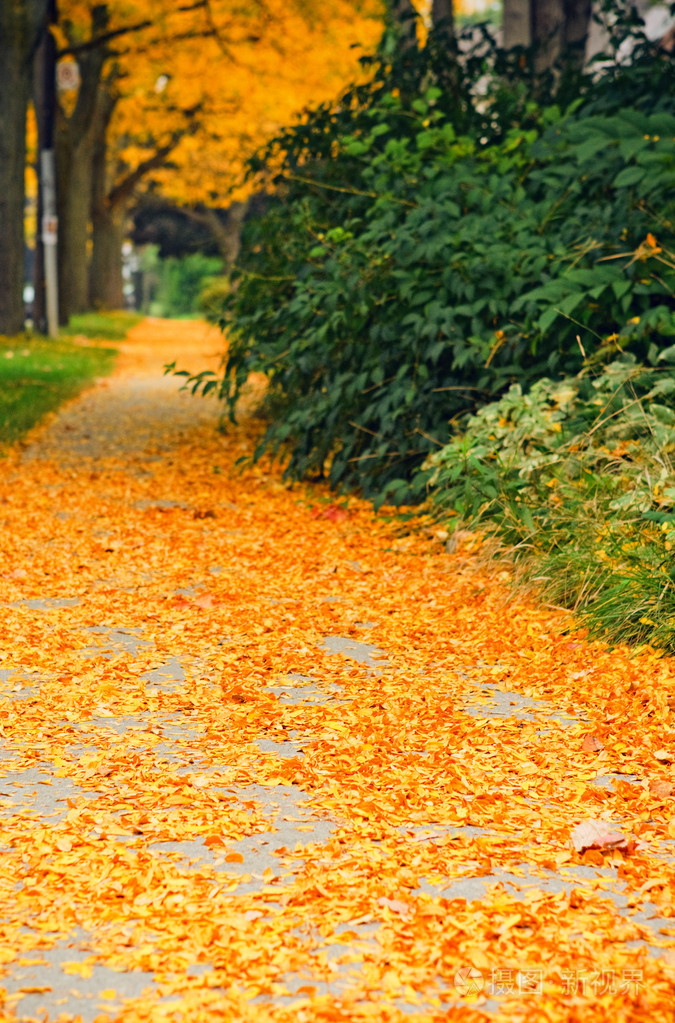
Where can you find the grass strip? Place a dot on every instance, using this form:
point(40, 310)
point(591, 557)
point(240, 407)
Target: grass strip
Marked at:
point(107, 326)
point(37, 375)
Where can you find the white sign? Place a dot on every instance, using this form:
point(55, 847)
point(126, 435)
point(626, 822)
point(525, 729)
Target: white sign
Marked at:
point(67, 75)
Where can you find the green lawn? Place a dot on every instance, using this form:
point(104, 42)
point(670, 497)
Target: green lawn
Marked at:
point(108, 326)
point(37, 375)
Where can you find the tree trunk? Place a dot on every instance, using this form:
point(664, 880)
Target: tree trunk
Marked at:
point(443, 16)
point(403, 16)
point(75, 142)
point(548, 27)
point(108, 218)
point(106, 285)
point(558, 27)
point(20, 27)
point(517, 23)
point(577, 27)
point(74, 174)
point(226, 233)
point(13, 105)
point(110, 203)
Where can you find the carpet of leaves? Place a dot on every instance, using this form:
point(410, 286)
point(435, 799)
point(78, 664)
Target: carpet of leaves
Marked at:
point(239, 578)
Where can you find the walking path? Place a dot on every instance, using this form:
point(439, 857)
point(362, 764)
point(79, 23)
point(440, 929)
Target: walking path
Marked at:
point(266, 756)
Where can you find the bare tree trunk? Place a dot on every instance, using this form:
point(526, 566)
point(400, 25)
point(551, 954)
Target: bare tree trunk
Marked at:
point(20, 27)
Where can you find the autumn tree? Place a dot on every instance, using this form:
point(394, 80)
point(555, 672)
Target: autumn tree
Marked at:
point(22, 23)
point(183, 94)
point(265, 72)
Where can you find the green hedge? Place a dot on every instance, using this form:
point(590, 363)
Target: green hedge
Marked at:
point(430, 246)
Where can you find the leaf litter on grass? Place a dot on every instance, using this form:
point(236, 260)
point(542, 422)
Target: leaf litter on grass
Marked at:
point(239, 578)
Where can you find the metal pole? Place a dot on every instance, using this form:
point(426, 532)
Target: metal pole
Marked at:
point(50, 237)
point(45, 107)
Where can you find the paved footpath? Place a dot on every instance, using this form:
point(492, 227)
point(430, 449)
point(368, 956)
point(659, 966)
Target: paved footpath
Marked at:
point(266, 756)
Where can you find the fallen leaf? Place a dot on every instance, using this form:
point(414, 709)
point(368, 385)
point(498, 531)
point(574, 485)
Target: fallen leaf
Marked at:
point(591, 744)
point(397, 905)
point(597, 835)
point(331, 512)
point(662, 789)
point(213, 841)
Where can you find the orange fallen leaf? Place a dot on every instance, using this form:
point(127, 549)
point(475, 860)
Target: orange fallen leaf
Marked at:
point(591, 744)
point(213, 841)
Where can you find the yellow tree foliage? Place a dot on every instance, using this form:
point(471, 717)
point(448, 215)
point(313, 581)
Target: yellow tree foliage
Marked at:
point(209, 82)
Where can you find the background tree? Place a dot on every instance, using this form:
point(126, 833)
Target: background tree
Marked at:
point(21, 25)
point(75, 147)
point(176, 98)
point(558, 28)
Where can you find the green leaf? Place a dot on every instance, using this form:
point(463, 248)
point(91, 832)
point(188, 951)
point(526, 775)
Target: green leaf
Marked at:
point(629, 176)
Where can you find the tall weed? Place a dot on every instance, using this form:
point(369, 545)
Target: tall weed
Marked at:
point(577, 477)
